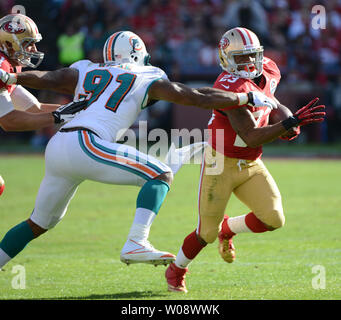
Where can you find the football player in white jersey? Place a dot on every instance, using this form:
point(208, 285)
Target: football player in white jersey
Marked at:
point(116, 91)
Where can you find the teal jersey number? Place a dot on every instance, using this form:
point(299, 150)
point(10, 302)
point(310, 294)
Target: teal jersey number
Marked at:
point(96, 81)
point(126, 81)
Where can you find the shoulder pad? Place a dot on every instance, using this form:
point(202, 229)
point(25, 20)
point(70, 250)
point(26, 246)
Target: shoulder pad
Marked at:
point(270, 66)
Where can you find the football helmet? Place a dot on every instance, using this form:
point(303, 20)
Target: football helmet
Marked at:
point(125, 47)
point(241, 42)
point(17, 33)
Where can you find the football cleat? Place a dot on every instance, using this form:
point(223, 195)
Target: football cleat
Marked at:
point(226, 247)
point(175, 277)
point(143, 252)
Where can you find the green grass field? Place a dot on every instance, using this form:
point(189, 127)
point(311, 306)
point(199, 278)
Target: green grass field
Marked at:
point(79, 258)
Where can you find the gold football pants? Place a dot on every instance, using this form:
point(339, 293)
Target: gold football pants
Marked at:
point(249, 180)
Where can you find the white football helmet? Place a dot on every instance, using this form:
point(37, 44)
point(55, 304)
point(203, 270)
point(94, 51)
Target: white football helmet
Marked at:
point(125, 47)
point(17, 33)
point(238, 42)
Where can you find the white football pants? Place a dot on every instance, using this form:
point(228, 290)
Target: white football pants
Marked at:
point(72, 157)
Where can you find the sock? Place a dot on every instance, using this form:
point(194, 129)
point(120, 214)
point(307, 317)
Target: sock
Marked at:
point(149, 201)
point(245, 223)
point(15, 241)
point(4, 258)
point(189, 250)
point(152, 194)
point(141, 225)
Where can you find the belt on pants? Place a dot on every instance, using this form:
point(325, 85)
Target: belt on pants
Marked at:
point(77, 129)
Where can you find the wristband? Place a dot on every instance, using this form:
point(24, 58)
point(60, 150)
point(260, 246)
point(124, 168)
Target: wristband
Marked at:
point(290, 123)
point(243, 98)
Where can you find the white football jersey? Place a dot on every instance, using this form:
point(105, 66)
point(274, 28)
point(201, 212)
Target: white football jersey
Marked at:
point(116, 95)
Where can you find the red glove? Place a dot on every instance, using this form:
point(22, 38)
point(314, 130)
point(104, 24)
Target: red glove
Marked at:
point(308, 114)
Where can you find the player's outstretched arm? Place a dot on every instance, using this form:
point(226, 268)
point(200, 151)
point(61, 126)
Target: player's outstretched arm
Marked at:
point(24, 121)
point(43, 108)
point(62, 80)
point(207, 98)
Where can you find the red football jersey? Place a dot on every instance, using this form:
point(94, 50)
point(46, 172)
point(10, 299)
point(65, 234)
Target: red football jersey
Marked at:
point(233, 146)
point(6, 66)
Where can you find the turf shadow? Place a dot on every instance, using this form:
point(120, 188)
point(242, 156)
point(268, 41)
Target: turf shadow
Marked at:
point(124, 295)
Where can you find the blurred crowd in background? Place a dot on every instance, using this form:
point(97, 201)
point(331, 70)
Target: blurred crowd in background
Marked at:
point(182, 38)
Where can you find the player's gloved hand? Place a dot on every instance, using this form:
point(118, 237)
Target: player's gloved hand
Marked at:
point(308, 114)
point(258, 100)
point(291, 134)
point(7, 78)
point(67, 112)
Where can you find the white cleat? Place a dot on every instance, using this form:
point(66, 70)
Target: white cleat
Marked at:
point(143, 252)
point(175, 158)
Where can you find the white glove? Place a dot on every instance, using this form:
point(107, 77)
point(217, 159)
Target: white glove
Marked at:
point(258, 100)
point(7, 78)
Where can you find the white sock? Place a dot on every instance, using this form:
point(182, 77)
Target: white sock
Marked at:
point(141, 225)
point(181, 260)
point(144, 216)
point(4, 258)
point(237, 224)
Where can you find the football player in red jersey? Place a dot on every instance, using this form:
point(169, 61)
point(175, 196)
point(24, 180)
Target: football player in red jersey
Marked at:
point(19, 109)
point(232, 161)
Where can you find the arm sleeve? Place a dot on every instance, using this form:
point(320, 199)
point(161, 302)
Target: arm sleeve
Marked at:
point(6, 105)
point(22, 99)
point(81, 66)
point(150, 75)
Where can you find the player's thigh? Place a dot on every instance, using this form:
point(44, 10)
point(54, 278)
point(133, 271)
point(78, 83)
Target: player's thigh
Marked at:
point(214, 193)
point(114, 163)
point(261, 194)
point(54, 196)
